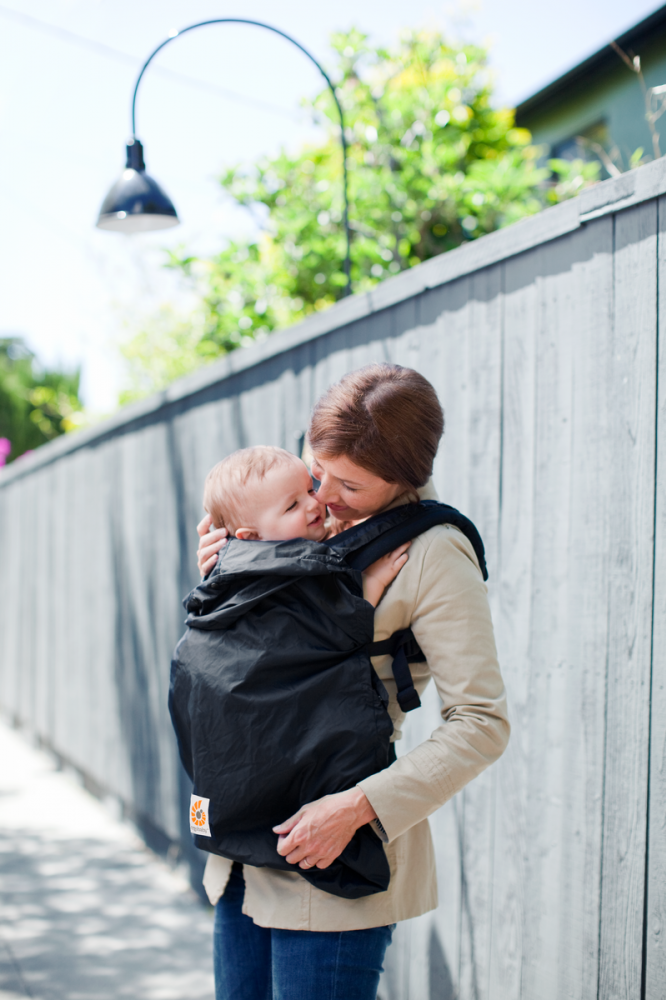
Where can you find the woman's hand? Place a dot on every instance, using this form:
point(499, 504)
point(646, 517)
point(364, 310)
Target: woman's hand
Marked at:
point(210, 543)
point(379, 574)
point(319, 832)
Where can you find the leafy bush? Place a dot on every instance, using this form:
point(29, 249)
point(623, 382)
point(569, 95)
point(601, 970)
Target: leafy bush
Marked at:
point(36, 404)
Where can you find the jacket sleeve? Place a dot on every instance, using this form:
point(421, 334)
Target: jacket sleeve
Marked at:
point(452, 624)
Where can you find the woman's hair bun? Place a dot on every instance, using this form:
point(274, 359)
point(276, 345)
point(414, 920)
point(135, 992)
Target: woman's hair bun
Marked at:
point(384, 418)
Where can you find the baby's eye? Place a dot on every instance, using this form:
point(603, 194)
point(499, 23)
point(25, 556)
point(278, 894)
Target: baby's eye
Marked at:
point(291, 507)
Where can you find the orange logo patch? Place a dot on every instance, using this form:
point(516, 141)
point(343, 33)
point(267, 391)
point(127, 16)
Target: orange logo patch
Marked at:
point(198, 814)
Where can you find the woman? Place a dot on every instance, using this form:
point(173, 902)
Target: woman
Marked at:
point(373, 437)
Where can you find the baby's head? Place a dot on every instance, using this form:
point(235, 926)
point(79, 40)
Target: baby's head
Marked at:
point(264, 493)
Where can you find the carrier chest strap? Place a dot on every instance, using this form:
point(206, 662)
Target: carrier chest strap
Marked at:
point(404, 649)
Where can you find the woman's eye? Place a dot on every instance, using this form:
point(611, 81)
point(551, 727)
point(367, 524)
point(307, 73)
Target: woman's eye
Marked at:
point(352, 489)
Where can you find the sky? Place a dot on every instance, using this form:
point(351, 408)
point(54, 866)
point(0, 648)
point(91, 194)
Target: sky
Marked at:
point(218, 96)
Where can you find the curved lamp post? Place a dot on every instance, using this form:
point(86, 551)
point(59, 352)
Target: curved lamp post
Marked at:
point(136, 203)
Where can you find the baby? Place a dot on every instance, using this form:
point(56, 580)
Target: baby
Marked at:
point(266, 494)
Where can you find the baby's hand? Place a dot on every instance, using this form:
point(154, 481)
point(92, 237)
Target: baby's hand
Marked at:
point(378, 575)
point(211, 541)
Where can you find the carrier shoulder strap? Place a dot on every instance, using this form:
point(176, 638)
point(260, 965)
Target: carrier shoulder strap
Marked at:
point(426, 514)
point(402, 645)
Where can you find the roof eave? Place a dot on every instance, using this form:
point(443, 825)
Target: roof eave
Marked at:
point(598, 60)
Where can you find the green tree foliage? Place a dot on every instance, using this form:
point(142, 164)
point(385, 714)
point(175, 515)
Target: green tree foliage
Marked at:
point(36, 404)
point(432, 164)
point(166, 347)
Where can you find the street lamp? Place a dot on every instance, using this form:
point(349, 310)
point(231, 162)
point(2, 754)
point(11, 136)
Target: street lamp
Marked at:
point(137, 204)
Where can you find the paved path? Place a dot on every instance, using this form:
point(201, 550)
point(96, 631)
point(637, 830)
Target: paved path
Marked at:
point(86, 911)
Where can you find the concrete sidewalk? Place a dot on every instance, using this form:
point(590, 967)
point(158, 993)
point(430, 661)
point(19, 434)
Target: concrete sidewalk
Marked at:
point(87, 912)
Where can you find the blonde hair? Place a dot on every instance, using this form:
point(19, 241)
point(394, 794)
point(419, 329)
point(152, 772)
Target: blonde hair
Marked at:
point(225, 490)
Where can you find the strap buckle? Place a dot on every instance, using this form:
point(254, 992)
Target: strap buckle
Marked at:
point(404, 649)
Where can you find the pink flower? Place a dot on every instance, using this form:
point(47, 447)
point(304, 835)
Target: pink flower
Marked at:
point(5, 449)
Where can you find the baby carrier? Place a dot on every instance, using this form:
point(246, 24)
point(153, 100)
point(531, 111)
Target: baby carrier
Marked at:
point(273, 696)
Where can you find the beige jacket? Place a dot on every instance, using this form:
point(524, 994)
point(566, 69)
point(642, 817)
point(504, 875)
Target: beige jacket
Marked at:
point(441, 594)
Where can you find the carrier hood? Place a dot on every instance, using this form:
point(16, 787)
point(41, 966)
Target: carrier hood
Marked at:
point(247, 571)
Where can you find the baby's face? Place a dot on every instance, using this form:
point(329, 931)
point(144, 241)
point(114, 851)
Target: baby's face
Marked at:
point(283, 505)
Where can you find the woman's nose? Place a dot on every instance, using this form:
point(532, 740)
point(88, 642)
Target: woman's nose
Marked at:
point(325, 491)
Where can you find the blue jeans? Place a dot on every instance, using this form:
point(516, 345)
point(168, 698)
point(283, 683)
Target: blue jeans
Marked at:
point(263, 963)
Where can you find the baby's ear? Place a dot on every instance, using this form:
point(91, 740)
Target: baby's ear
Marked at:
point(247, 534)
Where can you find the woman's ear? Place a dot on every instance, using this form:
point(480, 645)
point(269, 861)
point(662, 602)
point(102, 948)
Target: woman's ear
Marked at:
point(247, 535)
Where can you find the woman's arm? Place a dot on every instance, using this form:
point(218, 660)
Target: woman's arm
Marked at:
point(451, 621)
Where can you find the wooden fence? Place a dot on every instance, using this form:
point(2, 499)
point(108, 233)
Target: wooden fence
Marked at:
point(543, 341)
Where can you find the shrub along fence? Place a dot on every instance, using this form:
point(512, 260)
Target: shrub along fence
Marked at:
point(545, 344)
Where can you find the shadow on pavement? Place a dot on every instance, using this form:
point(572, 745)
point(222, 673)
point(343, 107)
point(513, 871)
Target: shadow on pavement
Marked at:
point(88, 913)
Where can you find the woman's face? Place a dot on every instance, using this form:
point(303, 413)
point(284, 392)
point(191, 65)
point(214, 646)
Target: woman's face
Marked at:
point(350, 492)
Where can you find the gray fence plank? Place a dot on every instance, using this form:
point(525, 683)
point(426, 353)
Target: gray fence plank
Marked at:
point(583, 605)
point(631, 456)
point(565, 712)
point(474, 433)
point(545, 704)
point(14, 557)
point(655, 958)
point(512, 624)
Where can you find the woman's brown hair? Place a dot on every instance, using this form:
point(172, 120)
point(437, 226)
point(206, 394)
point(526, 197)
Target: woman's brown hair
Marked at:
point(384, 418)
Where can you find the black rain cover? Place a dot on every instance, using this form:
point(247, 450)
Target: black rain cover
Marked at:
point(273, 698)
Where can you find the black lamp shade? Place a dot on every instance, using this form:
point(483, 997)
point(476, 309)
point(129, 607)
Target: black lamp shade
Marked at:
point(136, 203)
